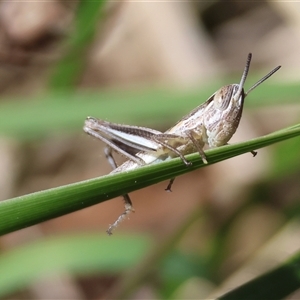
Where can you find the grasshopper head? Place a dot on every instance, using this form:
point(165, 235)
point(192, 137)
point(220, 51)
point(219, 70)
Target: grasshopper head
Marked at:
point(223, 114)
point(235, 92)
point(232, 95)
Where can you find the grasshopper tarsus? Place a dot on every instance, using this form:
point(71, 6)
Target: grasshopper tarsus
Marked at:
point(109, 230)
point(168, 188)
point(188, 163)
point(254, 153)
point(203, 157)
point(128, 209)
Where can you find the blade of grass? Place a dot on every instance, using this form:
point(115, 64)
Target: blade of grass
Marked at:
point(276, 284)
point(24, 211)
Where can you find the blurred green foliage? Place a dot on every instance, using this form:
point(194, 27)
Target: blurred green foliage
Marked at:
point(62, 111)
point(66, 73)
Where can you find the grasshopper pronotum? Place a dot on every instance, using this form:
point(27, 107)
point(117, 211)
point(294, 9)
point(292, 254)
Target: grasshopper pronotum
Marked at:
point(212, 123)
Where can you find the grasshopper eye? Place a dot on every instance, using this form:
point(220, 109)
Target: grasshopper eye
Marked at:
point(223, 97)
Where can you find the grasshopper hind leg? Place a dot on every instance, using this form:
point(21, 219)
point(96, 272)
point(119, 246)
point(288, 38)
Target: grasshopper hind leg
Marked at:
point(128, 204)
point(110, 158)
point(128, 209)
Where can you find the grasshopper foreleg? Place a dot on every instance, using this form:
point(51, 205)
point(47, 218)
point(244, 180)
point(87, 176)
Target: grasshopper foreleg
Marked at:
point(128, 204)
point(162, 140)
point(199, 146)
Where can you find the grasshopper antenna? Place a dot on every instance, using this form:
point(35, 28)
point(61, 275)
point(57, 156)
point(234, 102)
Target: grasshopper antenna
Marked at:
point(262, 80)
point(243, 79)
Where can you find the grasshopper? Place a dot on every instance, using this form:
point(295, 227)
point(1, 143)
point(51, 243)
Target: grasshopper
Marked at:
point(212, 123)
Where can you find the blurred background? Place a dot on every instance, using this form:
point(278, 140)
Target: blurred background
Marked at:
point(147, 64)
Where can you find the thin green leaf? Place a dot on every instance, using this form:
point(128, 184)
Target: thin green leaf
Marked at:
point(276, 284)
point(31, 209)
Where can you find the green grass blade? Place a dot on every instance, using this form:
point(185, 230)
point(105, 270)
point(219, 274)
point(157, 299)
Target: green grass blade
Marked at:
point(275, 285)
point(31, 209)
point(80, 254)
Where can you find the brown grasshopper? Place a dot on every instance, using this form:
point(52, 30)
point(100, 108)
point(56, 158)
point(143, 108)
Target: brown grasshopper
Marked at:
point(212, 123)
